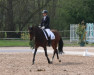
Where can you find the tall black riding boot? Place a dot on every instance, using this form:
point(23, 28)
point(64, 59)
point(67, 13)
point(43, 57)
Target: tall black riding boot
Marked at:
point(49, 41)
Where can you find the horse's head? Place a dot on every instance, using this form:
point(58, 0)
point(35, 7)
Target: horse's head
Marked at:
point(34, 31)
point(31, 32)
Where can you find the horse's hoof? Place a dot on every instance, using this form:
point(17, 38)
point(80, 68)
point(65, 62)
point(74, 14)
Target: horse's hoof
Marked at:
point(59, 60)
point(32, 63)
point(50, 62)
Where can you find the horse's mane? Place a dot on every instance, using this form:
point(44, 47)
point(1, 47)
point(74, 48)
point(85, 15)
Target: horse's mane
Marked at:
point(38, 33)
point(37, 30)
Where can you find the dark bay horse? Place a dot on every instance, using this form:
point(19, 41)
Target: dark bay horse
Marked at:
point(40, 40)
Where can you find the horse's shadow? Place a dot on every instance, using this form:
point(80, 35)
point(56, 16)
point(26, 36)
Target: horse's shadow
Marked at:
point(69, 63)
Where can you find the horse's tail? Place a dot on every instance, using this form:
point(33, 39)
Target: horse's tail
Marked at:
point(60, 46)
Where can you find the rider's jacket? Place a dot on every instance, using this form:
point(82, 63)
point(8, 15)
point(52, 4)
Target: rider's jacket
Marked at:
point(45, 22)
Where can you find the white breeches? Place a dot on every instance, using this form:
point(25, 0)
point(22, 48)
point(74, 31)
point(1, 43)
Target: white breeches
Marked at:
point(50, 34)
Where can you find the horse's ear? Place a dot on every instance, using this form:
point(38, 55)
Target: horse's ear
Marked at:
point(30, 27)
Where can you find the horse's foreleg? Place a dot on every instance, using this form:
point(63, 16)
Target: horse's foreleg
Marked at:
point(34, 56)
point(45, 49)
point(57, 55)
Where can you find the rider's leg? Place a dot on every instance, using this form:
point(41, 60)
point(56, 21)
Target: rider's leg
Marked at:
point(49, 36)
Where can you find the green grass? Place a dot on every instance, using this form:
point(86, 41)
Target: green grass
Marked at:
point(25, 43)
point(71, 45)
point(14, 43)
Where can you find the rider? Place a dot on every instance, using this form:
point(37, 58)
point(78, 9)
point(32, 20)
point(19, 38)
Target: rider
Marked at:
point(45, 25)
point(45, 20)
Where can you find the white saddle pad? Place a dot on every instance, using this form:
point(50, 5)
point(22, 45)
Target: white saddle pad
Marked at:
point(50, 34)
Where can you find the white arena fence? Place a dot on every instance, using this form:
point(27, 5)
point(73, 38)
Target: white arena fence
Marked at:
point(89, 33)
point(73, 36)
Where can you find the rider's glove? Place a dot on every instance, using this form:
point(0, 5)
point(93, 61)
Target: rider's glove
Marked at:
point(43, 27)
point(39, 26)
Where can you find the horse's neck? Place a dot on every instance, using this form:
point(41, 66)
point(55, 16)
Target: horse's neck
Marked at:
point(38, 33)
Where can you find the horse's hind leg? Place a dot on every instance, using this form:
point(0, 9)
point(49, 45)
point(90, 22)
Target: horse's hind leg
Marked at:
point(53, 56)
point(57, 55)
point(54, 47)
point(45, 49)
point(34, 56)
point(55, 51)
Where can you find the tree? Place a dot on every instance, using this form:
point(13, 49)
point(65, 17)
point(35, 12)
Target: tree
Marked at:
point(17, 15)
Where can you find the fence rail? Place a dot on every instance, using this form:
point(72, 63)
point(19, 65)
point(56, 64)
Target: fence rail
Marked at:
point(7, 35)
point(14, 31)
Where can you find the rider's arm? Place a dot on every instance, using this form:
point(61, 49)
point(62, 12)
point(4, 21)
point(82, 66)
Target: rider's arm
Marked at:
point(47, 22)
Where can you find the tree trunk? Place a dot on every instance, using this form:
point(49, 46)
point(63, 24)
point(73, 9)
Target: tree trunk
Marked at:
point(9, 19)
point(39, 11)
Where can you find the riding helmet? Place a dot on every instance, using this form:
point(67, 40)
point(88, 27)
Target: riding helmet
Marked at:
point(44, 11)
